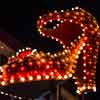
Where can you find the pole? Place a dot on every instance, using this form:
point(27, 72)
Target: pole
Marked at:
point(58, 92)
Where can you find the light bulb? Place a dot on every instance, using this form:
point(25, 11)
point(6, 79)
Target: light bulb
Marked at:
point(3, 83)
point(30, 78)
point(38, 77)
point(22, 79)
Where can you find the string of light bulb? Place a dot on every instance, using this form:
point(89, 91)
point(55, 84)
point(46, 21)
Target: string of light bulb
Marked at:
point(76, 60)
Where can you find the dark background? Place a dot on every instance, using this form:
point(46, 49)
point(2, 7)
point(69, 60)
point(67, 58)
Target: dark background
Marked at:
point(19, 20)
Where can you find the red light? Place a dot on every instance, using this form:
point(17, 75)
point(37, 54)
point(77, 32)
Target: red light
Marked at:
point(44, 73)
point(30, 63)
point(13, 65)
point(38, 62)
point(22, 68)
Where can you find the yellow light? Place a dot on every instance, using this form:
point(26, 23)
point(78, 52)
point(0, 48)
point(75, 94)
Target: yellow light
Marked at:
point(81, 48)
point(59, 77)
point(48, 53)
point(65, 76)
point(89, 87)
point(38, 77)
point(39, 30)
point(2, 92)
point(22, 79)
point(6, 94)
point(70, 75)
point(63, 53)
point(82, 13)
point(20, 98)
point(37, 55)
point(1, 69)
point(30, 78)
point(40, 17)
point(75, 17)
point(66, 51)
point(79, 37)
point(55, 55)
point(43, 60)
point(51, 73)
point(79, 52)
point(84, 44)
point(77, 7)
point(78, 91)
point(3, 83)
point(94, 89)
point(47, 77)
point(41, 26)
point(76, 56)
point(84, 87)
point(12, 81)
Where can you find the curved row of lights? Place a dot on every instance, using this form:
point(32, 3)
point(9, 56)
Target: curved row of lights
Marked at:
point(85, 78)
point(58, 66)
point(85, 46)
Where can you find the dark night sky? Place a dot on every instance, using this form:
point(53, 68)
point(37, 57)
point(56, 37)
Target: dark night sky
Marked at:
point(19, 19)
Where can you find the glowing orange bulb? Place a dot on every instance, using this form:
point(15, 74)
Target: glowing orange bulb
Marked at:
point(12, 81)
point(22, 79)
point(43, 60)
point(51, 73)
point(84, 87)
point(30, 78)
point(59, 77)
point(47, 77)
point(38, 62)
point(50, 14)
point(78, 91)
point(50, 62)
point(70, 75)
point(84, 58)
point(94, 89)
point(13, 65)
point(2, 92)
point(37, 55)
point(38, 77)
point(3, 83)
point(89, 87)
point(65, 76)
